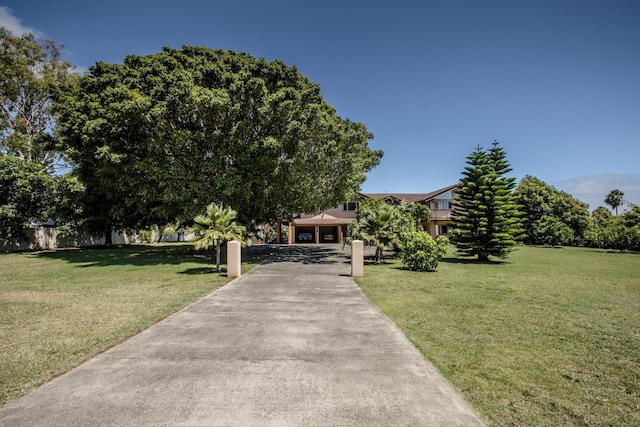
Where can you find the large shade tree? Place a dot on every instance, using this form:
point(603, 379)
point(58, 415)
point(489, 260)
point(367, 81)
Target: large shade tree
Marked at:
point(30, 71)
point(159, 136)
point(538, 199)
point(486, 217)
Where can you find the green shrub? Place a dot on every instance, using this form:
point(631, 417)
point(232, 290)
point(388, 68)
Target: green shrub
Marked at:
point(420, 252)
point(145, 235)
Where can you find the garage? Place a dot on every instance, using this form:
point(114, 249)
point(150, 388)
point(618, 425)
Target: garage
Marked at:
point(328, 234)
point(305, 235)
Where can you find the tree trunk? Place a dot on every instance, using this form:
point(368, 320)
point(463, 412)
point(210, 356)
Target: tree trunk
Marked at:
point(378, 254)
point(218, 258)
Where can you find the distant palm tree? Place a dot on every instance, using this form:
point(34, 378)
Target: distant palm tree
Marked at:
point(614, 199)
point(216, 227)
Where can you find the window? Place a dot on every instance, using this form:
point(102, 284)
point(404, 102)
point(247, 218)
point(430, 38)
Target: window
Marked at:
point(442, 205)
point(351, 206)
point(443, 229)
point(444, 196)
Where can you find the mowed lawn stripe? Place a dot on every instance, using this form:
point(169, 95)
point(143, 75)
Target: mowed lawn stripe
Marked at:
point(59, 308)
point(549, 337)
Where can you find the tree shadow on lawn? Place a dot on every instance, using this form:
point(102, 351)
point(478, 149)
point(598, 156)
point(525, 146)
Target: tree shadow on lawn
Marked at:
point(405, 268)
point(612, 251)
point(371, 260)
point(204, 270)
point(471, 261)
point(136, 255)
point(304, 254)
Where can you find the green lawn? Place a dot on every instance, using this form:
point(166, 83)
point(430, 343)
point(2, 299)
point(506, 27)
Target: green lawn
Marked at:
point(58, 309)
point(550, 337)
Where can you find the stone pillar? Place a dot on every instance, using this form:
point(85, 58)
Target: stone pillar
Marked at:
point(234, 261)
point(357, 258)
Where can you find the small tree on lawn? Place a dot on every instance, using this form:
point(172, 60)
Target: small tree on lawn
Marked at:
point(216, 227)
point(378, 224)
point(615, 235)
point(601, 217)
point(486, 216)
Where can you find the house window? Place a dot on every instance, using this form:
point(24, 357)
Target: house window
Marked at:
point(442, 205)
point(445, 196)
point(443, 229)
point(351, 206)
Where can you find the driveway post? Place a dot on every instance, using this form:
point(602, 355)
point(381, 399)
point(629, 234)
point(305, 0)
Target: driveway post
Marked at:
point(233, 259)
point(357, 258)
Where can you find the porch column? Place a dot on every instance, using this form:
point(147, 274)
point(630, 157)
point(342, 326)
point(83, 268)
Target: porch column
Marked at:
point(317, 228)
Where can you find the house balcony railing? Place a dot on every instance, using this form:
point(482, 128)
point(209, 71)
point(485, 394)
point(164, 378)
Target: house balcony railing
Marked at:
point(441, 214)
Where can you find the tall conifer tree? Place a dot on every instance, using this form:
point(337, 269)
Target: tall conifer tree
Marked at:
point(486, 216)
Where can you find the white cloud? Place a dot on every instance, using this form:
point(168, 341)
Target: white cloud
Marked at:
point(593, 189)
point(14, 24)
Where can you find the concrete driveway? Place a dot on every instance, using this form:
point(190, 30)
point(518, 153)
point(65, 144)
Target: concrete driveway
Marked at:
point(294, 342)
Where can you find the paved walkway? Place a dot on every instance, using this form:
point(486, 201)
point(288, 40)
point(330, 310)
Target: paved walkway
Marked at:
point(292, 343)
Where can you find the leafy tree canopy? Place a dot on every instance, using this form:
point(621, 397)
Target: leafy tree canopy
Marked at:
point(615, 232)
point(631, 218)
point(549, 230)
point(616, 235)
point(30, 71)
point(159, 136)
point(538, 199)
point(26, 194)
point(602, 215)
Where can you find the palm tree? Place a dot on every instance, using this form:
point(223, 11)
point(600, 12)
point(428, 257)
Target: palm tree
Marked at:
point(614, 199)
point(216, 227)
point(379, 225)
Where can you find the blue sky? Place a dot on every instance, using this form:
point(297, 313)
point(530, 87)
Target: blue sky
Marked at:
point(556, 82)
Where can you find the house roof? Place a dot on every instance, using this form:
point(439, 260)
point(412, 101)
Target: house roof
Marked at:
point(324, 219)
point(409, 197)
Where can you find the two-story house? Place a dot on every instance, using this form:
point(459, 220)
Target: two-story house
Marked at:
point(330, 226)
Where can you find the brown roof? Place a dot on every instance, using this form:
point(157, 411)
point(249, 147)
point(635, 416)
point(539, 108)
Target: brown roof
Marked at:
point(323, 221)
point(410, 197)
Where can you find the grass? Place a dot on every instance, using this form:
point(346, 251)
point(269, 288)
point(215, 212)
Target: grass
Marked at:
point(549, 337)
point(59, 308)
